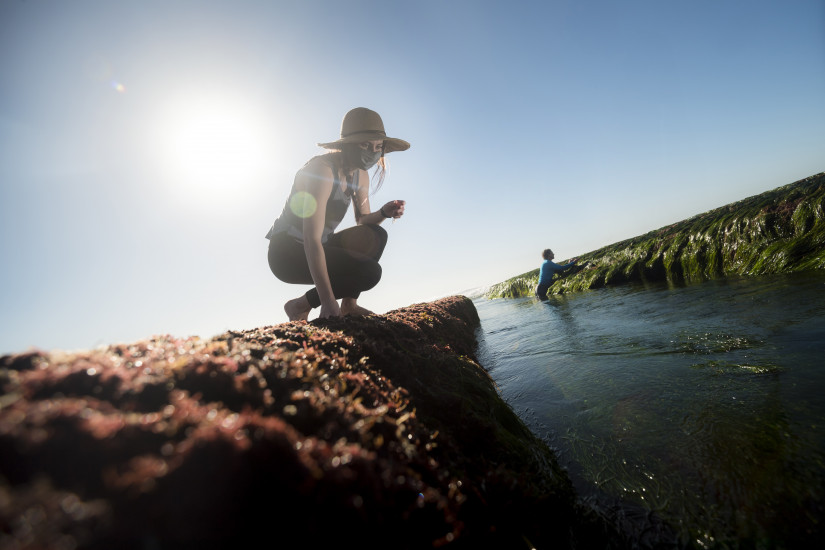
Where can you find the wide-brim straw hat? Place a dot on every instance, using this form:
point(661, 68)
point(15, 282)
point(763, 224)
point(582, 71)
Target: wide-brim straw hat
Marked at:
point(362, 124)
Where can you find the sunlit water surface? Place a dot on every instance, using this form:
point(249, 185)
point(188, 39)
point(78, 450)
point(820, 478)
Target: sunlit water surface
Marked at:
point(698, 406)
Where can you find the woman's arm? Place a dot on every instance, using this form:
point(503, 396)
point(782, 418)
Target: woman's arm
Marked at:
point(318, 182)
point(361, 204)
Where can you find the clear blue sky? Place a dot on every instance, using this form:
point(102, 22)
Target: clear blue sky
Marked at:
point(146, 147)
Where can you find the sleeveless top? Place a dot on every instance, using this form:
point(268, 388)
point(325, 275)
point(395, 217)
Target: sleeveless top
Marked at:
point(291, 220)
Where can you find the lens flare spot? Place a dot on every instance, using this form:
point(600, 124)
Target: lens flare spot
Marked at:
point(118, 86)
point(303, 204)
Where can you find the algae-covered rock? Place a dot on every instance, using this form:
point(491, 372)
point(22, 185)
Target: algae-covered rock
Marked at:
point(779, 231)
point(376, 432)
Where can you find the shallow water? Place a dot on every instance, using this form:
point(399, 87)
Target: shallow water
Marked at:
point(698, 406)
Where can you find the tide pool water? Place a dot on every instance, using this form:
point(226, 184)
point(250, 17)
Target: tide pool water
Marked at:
point(694, 415)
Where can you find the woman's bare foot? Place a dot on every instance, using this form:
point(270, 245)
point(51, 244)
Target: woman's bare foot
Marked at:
point(351, 307)
point(297, 309)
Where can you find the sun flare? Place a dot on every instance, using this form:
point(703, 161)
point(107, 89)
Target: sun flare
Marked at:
point(213, 147)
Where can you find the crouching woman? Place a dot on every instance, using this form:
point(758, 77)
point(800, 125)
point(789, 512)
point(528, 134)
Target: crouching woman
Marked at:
point(304, 247)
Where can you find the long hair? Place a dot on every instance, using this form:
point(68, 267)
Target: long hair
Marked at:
point(383, 168)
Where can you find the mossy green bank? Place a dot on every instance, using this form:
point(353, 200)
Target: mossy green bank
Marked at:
point(779, 231)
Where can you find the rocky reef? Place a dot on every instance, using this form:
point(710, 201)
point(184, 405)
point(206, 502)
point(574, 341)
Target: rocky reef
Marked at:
point(779, 231)
point(375, 432)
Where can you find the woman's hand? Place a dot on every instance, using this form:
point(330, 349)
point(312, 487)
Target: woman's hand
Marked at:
point(393, 209)
point(331, 309)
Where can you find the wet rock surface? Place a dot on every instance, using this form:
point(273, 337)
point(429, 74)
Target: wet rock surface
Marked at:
point(377, 432)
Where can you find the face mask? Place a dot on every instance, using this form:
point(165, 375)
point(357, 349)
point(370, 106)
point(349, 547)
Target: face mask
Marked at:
point(363, 158)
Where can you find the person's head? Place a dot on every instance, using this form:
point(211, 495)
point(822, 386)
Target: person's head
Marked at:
point(547, 254)
point(364, 143)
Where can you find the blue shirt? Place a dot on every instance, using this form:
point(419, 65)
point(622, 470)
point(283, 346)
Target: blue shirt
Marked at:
point(548, 269)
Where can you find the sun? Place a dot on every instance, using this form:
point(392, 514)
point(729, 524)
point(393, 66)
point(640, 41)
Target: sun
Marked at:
point(213, 147)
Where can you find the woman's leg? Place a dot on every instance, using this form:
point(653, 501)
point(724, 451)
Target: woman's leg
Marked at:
point(364, 240)
point(287, 261)
point(352, 263)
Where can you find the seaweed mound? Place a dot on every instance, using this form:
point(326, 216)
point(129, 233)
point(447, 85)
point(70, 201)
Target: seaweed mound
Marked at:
point(779, 231)
point(380, 432)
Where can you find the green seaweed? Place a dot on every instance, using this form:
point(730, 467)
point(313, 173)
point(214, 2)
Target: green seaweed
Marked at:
point(779, 231)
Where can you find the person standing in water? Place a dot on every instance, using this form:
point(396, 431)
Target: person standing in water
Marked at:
point(548, 270)
point(303, 245)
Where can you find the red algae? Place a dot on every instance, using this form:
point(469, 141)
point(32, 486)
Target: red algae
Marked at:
point(380, 431)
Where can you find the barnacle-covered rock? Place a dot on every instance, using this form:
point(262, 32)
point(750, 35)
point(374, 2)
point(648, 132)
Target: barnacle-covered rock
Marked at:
point(379, 431)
